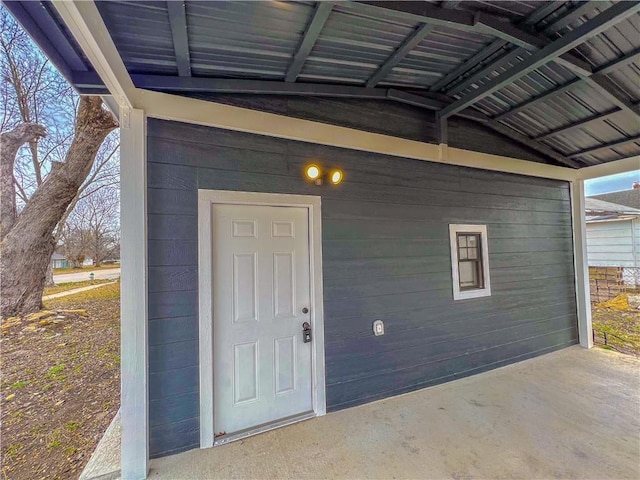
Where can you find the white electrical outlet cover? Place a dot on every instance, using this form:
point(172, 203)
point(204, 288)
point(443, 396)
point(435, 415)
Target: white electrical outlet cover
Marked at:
point(378, 328)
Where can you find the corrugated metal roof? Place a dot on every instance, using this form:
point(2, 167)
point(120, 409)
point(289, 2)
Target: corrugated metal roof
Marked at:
point(259, 40)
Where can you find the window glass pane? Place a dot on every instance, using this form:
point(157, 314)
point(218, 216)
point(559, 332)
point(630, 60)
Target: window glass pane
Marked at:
point(462, 241)
point(472, 241)
point(472, 253)
point(463, 254)
point(468, 274)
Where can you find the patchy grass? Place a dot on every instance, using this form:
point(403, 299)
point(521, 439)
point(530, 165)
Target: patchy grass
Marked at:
point(60, 385)
point(620, 323)
point(60, 271)
point(64, 287)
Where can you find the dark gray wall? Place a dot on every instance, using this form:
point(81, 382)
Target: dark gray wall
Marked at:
point(385, 255)
point(385, 117)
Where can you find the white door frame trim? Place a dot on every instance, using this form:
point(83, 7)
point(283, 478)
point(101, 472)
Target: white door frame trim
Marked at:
point(206, 198)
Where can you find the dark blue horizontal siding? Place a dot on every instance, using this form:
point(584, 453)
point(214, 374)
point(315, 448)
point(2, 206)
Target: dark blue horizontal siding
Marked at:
point(385, 256)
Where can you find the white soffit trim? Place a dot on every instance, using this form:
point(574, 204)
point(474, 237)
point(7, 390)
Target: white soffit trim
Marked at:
point(619, 219)
point(610, 168)
point(200, 112)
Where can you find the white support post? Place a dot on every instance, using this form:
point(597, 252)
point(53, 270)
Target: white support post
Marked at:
point(134, 412)
point(581, 265)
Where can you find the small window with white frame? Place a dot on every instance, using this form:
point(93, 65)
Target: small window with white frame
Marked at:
point(469, 261)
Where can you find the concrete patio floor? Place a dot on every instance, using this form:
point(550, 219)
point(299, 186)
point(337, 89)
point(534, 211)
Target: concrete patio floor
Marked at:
point(574, 413)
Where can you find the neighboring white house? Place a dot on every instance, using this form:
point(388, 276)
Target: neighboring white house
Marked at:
point(58, 260)
point(613, 236)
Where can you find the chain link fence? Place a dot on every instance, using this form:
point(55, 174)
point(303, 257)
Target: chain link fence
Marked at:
point(609, 282)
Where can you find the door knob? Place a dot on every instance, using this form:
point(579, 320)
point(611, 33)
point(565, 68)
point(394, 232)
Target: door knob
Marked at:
point(305, 310)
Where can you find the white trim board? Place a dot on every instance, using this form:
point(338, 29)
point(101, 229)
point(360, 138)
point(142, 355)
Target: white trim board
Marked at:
point(581, 264)
point(206, 198)
point(134, 338)
point(610, 168)
point(200, 112)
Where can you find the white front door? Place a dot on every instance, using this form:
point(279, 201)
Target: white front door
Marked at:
point(261, 298)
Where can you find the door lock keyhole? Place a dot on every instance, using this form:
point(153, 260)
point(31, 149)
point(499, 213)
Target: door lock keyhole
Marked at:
point(305, 310)
point(306, 332)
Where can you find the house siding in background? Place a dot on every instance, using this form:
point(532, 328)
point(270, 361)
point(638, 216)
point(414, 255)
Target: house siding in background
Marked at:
point(385, 256)
point(614, 243)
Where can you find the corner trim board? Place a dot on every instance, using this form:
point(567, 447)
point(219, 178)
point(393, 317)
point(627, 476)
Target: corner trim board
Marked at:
point(206, 198)
point(581, 263)
point(134, 338)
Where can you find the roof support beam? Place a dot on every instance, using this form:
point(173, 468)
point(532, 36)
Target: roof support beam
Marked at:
point(532, 144)
point(599, 117)
point(502, 62)
point(409, 44)
point(602, 22)
point(178, 21)
point(492, 48)
point(606, 146)
point(559, 90)
point(506, 31)
point(471, 63)
point(543, 12)
point(596, 82)
point(25, 17)
point(481, 22)
point(612, 92)
point(320, 16)
point(581, 10)
point(611, 67)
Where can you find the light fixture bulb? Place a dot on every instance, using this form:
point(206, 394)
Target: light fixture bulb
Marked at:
point(313, 172)
point(336, 177)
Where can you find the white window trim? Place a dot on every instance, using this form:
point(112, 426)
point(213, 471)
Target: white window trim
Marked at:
point(455, 274)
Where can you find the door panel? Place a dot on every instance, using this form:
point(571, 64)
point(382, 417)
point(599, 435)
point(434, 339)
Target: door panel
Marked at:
point(262, 368)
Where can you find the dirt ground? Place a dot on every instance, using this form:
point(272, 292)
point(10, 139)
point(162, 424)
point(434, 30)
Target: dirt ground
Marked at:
point(620, 323)
point(60, 384)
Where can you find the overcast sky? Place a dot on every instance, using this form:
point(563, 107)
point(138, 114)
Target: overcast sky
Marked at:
point(612, 183)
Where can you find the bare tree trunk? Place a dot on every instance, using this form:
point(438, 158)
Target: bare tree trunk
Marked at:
point(10, 142)
point(48, 281)
point(26, 249)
